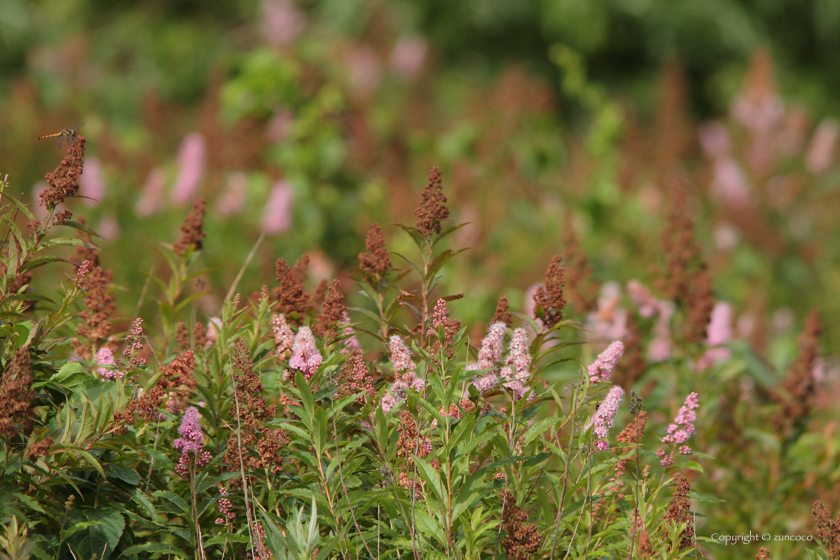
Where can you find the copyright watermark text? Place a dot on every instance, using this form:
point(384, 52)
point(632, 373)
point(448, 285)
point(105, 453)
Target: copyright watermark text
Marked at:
point(745, 538)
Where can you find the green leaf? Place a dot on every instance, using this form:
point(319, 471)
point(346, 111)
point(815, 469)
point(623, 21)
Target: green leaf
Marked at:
point(22, 207)
point(431, 476)
point(693, 465)
point(103, 532)
point(305, 395)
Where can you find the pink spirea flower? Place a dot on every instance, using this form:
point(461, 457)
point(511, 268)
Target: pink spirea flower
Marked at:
point(485, 382)
point(305, 355)
point(820, 152)
point(190, 440)
point(284, 337)
point(278, 209)
point(407, 56)
point(192, 162)
point(518, 362)
point(400, 357)
point(714, 139)
point(644, 300)
point(151, 195)
point(719, 332)
point(490, 354)
point(604, 417)
point(225, 507)
point(233, 196)
point(389, 401)
point(683, 426)
point(350, 342)
point(106, 358)
point(91, 182)
point(214, 325)
point(282, 22)
point(609, 322)
point(602, 367)
point(729, 184)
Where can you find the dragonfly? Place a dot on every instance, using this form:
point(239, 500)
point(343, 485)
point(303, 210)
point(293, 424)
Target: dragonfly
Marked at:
point(69, 134)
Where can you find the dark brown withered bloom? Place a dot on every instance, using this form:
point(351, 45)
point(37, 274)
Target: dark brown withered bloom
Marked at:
point(290, 296)
point(549, 296)
point(182, 337)
point(634, 431)
point(99, 305)
point(678, 512)
point(320, 292)
point(581, 288)
point(63, 182)
point(40, 449)
point(431, 210)
point(200, 335)
point(645, 547)
point(331, 314)
point(828, 530)
point(523, 538)
point(192, 230)
point(377, 259)
point(797, 392)
point(355, 378)
point(251, 411)
point(502, 314)
point(16, 395)
point(62, 217)
point(763, 554)
point(686, 279)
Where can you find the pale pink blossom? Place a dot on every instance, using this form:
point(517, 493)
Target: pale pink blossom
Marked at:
point(604, 417)
point(282, 22)
point(108, 228)
point(602, 367)
point(821, 151)
point(720, 326)
point(305, 355)
point(729, 184)
point(192, 163)
point(485, 382)
point(389, 401)
point(283, 335)
point(233, 197)
point(277, 216)
point(726, 236)
point(191, 440)
point(490, 354)
point(609, 321)
point(364, 70)
point(214, 325)
point(104, 357)
point(518, 362)
point(642, 298)
point(683, 426)
point(151, 195)
point(714, 139)
point(758, 115)
point(660, 349)
point(91, 182)
point(408, 55)
point(350, 341)
point(400, 357)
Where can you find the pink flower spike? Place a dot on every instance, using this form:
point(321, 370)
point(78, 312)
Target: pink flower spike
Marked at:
point(106, 358)
point(490, 354)
point(602, 367)
point(400, 357)
point(604, 417)
point(305, 355)
point(192, 438)
point(192, 162)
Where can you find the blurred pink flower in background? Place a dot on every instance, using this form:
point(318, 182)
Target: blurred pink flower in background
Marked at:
point(661, 346)
point(408, 55)
point(726, 236)
point(644, 300)
point(108, 228)
point(280, 126)
point(729, 184)
point(233, 197)
point(364, 70)
point(91, 182)
point(758, 115)
point(151, 196)
point(609, 322)
point(192, 162)
point(714, 139)
point(39, 211)
point(278, 209)
point(821, 151)
point(282, 22)
point(719, 332)
point(791, 138)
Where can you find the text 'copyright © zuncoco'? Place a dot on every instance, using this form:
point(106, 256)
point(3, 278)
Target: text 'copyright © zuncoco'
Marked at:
point(745, 538)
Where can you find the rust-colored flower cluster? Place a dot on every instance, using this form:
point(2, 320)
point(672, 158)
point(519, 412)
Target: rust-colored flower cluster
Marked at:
point(828, 530)
point(431, 211)
point(797, 394)
point(251, 412)
point(678, 512)
point(502, 314)
point(686, 279)
point(175, 384)
point(763, 554)
point(523, 538)
point(582, 289)
point(549, 296)
point(99, 305)
point(192, 229)
point(440, 317)
point(355, 378)
point(634, 431)
point(376, 260)
point(411, 442)
point(63, 182)
point(40, 449)
point(289, 295)
point(331, 314)
point(16, 395)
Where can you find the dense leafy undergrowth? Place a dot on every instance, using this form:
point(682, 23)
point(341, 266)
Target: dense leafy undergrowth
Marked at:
point(292, 427)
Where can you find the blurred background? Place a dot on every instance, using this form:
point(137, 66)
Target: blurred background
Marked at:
point(550, 120)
